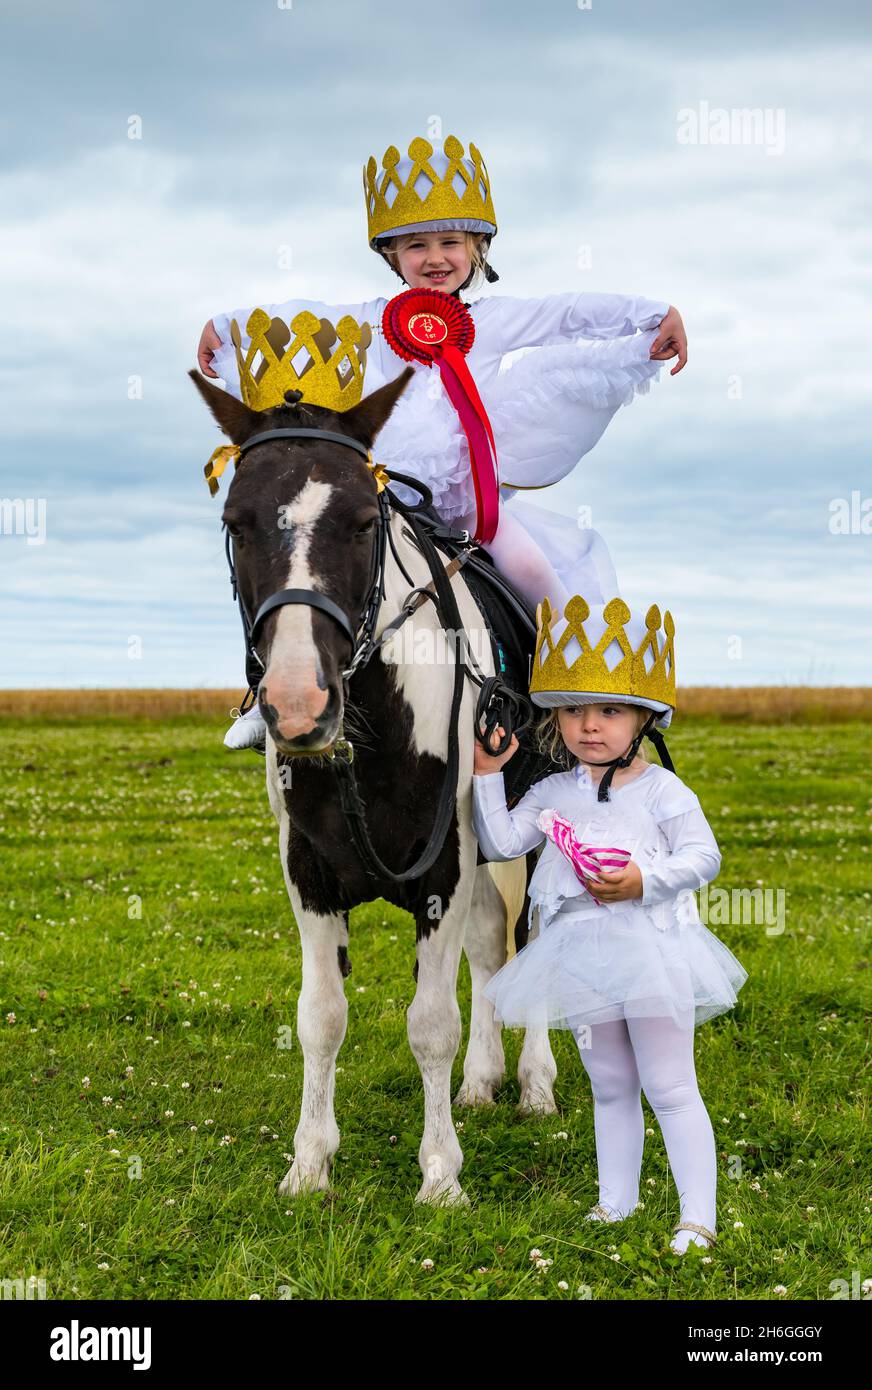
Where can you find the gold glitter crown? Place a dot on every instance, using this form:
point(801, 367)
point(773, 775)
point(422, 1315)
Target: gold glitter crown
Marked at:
point(310, 355)
point(454, 194)
point(615, 665)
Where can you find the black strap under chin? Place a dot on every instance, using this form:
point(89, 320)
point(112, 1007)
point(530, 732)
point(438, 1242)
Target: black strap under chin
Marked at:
point(647, 731)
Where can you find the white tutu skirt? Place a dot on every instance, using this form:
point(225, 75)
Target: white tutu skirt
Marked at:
point(595, 969)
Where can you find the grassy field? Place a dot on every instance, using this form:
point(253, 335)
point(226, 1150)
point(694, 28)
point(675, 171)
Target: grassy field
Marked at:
point(149, 968)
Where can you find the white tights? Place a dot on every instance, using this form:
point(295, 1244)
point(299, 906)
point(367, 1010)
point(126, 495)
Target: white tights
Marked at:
point(521, 560)
point(652, 1055)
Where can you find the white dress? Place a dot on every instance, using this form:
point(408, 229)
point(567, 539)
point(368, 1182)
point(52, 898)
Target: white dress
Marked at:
point(548, 408)
point(594, 963)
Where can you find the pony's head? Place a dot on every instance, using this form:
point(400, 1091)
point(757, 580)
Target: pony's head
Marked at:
point(302, 514)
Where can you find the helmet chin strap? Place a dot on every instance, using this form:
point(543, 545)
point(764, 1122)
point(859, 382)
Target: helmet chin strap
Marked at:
point(613, 764)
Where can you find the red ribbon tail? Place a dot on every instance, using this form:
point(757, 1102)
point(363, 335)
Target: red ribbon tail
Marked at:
point(463, 393)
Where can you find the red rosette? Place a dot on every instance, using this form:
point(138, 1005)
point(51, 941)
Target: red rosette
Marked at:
point(424, 325)
point(417, 323)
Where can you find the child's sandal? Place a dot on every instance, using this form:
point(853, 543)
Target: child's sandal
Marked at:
point(700, 1231)
point(601, 1213)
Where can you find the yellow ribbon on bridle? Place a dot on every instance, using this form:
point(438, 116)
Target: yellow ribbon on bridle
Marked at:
point(218, 462)
point(225, 452)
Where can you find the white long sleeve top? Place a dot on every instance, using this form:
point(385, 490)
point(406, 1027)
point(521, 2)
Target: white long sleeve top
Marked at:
point(655, 817)
point(546, 412)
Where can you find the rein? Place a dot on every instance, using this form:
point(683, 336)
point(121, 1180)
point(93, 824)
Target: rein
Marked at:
point(497, 702)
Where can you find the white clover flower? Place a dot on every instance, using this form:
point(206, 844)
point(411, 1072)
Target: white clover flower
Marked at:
point(738, 1225)
point(427, 1264)
point(103, 1265)
point(780, 1290)
point(535, 1254)
point(543, 1264)
point(562, 1284)
point(169, 1114)
point(86, 1081)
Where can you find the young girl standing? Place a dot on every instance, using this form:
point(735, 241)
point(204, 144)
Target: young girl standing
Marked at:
point(621, 957)
point(431, 218)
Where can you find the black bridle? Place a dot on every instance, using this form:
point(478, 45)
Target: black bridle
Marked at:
point(497, 704)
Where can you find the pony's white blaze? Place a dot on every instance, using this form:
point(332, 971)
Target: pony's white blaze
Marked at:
point(291, 681)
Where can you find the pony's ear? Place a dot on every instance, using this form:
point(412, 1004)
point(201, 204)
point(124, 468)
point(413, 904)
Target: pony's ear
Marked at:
point(365, 420)
point(235, 418)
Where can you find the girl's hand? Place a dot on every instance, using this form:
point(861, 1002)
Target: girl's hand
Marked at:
point(671, 341)
point(617, 885)
point(483, 762)
point(209, 341)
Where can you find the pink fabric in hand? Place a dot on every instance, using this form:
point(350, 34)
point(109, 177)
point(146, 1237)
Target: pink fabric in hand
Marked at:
point(586, 860)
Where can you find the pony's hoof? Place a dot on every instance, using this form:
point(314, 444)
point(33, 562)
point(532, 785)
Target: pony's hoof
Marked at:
point(296, 1181)
point(537, 1103)
point(476, 1094)
point(444, 1194)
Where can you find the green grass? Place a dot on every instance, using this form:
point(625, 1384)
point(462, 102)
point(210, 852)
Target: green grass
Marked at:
point(101, 820)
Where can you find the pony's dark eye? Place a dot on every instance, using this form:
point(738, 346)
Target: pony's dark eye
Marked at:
point(366, 529)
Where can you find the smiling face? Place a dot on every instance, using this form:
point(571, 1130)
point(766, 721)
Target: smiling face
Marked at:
point(438, 259)
point(598, 733)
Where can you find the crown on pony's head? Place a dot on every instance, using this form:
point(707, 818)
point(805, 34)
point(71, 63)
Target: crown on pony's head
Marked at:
point(430, 185)
point(613, 655)
point(325, 363)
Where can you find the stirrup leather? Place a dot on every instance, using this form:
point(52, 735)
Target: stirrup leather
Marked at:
point(700, 1230)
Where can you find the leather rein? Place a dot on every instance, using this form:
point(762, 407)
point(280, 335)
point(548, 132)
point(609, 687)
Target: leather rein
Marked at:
point(497, 703)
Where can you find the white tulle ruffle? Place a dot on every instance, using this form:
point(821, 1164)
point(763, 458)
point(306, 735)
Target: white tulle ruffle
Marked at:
point(596, 969)
point(550, 407)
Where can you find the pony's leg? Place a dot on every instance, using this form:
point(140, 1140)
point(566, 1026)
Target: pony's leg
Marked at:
point(485, 947)
point(322, 1013)
point(434, 1036)
point(537, 1069)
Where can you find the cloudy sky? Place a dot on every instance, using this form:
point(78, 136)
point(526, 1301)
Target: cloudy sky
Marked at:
point(720, 494)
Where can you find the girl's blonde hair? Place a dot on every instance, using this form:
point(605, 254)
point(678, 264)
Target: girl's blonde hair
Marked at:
point(475, 245)
point(549, 739)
